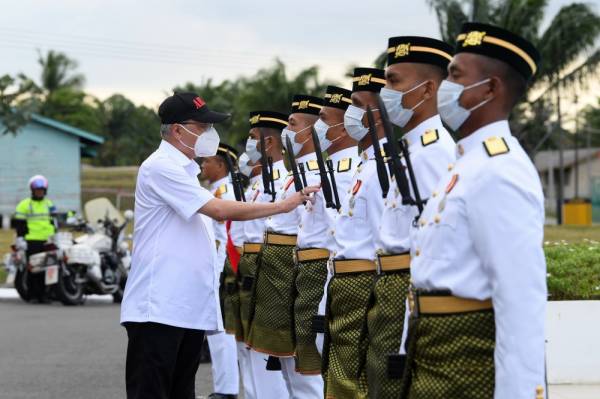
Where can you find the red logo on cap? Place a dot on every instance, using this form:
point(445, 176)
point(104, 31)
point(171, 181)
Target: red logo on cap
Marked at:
point(198, 102)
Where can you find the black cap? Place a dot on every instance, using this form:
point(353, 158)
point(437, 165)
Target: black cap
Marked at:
point(337, 97)
point(500, 44)
point(268, 119)
point(417, 49)
point(368, 79)
point(227, 150)
point(181, 107)
point(305, 104)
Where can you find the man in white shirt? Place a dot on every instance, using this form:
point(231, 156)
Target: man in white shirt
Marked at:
point(171, 296)
point(476, 329)
point(222, 345)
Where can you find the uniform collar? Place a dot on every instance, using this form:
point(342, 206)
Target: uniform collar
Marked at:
point(414, 135)
point(369, 153)
point(498, 129)
point(173, 153)
point(306, 157)
point(349, 152)
point(219, 183)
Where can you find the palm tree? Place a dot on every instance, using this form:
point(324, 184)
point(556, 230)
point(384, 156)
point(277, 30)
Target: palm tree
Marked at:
point(58, 72)
point(570, 56)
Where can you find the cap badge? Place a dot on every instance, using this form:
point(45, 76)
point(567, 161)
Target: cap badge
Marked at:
point(198, 102)
point(336, 98)
point(474, 38)
point(402, 50)
point(364, 80)
point(254, 120)
point(303, 104)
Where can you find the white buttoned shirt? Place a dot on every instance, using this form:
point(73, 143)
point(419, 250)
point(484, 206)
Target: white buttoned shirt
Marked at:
point(254, 229)
point(222, 189)
point(172, 279)
point(358, 222)
point(316, 220)
point(288, 223)
point(432, 151)
point(481, 238)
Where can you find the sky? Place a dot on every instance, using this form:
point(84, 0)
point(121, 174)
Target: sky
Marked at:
point(143, 49)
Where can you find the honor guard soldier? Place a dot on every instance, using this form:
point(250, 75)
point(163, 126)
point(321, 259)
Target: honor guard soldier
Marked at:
point(478, 269)
point(416, 67)
point(263, 147)
point(354, 232)
point(272, 327)
point(315, 243)
point(222, 346)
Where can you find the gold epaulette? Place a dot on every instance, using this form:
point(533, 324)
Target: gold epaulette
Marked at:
point(344, 165)
point(221, 190)
point(429, 137)
point(495, 146)
point(312, 165)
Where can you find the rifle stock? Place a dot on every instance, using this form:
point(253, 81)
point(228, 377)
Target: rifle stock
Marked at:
point(325, 184)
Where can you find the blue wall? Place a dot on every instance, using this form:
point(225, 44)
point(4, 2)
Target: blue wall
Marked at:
point(38, 149)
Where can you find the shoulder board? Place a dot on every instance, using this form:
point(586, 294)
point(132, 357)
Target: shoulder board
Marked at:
point(275, 174)
point(344, 165)
point(495, 146)
point(312, 165)
point(429, 137)
point(221, 190)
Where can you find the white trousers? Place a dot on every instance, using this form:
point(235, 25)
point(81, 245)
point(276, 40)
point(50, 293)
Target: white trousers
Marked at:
point(322, 307)
point(223, 353)
point(246, 371)
point(300, 386)
point(266, 384)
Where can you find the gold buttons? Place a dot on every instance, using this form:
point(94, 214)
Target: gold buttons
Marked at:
point(350, 213)
point(450, 167)
point(393, 205)
point(461, 149)
point(437, 218)
point(539, 392)
point(300, 226)
point(417, 252)
point(332, 232)
point(422, 222)
point(434, 194)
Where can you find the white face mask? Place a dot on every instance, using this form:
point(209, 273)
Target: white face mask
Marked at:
point(321, 128)
point(353, 122)
point(243, 165)
point(207, 143)
point(296, 147)
point(392, 99)
point(252, 150)
point(451, 112)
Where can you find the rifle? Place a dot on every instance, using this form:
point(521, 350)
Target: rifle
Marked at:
point(381, 172)
point(292, 160)
point(267, 169)
point(325, 184)
point(236, 182)
point(397, 166)
point(333, 184)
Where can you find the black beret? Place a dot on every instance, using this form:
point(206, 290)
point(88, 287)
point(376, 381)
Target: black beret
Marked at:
point(225, 150)
point(423, 50)
point(305, 104)
point(500, 44)
point(337, 97)
point(268, 119)
point(368, 79)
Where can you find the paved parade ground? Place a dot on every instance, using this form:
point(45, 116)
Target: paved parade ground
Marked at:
point(57, 352)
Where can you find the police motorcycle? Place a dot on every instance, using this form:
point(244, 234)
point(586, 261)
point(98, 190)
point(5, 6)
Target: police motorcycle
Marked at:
point(98, 261)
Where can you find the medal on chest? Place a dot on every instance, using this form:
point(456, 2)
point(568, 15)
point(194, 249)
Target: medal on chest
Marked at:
point(449, 188)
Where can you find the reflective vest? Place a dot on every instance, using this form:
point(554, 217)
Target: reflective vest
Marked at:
point(39, 221)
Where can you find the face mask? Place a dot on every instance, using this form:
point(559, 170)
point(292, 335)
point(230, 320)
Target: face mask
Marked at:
point(252, 150)
point(243, 164)
point(353, 122)
point(296, 147)
point(393, 104)
point(206, 144)
point(451, 112)
point(321, 128)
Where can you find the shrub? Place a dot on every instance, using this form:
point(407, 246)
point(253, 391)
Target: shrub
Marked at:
point(573, 270)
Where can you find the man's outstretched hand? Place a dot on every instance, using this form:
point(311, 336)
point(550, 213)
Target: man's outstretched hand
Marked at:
point(298, 198)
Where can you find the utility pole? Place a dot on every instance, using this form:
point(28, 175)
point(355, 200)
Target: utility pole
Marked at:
point(561, 164)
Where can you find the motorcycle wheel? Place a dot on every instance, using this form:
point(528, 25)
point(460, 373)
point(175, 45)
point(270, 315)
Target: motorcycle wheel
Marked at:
point(21, 285)
point(69, 292)
point(118, 296)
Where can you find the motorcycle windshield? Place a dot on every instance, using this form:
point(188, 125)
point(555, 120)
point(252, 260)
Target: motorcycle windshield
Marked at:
point(98, 209)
